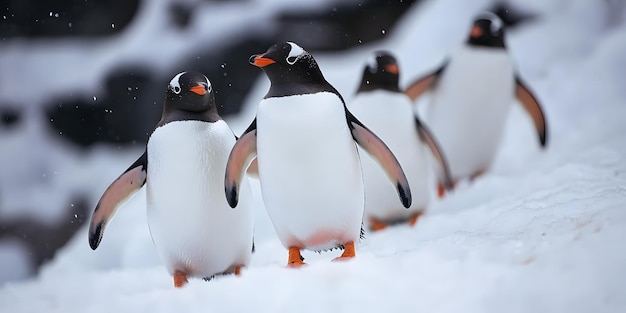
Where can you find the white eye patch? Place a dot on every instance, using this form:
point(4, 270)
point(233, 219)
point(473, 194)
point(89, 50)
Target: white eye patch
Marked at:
point(208, 83)
point(496, 22)
point(372, 65)
point(175, 84)
point(295, 53)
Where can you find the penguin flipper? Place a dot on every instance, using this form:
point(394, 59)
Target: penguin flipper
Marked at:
point(376, 148)
point(253, 168)
point(531, 105)
point(239, 159)
point(115, 195)
point(427, 137)
point(421, 85)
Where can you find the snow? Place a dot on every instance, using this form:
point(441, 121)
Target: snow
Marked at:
point(14, 253)
point(542, 232)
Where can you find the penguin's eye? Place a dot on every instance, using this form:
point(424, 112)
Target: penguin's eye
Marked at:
point(372, 64)
point(495, 27)
point(292, 59)
point(175, 83)
point(175, 89)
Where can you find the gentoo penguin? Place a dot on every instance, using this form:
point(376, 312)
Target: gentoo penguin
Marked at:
point(309, 170)
point(380, 104)
point(192, 226)
point(472, 94)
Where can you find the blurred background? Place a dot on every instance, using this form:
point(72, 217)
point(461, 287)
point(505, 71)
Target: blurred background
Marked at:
point(82, 82)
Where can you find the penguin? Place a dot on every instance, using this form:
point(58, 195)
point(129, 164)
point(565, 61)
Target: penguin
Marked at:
point(471, 97)
point(192, 226)
point(380, 104)
point(303, 138)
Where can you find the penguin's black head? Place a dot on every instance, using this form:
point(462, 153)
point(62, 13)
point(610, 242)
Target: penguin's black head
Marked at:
point(381, 72)
point(189, 91)
point(487, 31)
point(189, 96)
point(290, 69)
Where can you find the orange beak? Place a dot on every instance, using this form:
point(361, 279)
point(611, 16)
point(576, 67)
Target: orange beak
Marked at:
point(476, 32)
point(261, 61)
point(391, 68)
point(198, 89)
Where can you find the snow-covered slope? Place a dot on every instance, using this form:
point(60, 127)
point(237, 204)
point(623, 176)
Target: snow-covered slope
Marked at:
point(544, 231)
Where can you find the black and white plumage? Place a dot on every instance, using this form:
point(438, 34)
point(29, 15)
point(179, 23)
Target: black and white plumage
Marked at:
point(471, 97)
point(388, 112)
point(192, 226)
point(308, 164)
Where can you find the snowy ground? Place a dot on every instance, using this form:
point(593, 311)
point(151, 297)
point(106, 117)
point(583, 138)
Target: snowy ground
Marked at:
point(543, 232)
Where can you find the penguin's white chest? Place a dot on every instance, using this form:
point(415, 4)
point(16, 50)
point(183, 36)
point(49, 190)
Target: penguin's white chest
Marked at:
point(193, 227)
point(470, 106)
point(389, 115)
point(309, 171)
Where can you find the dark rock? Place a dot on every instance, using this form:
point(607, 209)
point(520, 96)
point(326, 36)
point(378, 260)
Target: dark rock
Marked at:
point(180, 14)
point(63, 18)
point(43, 240)
point(343, 26)
point(125, 115)
point(9, 116)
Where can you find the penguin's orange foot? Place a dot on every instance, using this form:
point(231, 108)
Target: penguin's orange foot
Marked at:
point(180, 279)
point(441, 190)
point(348, 252)
point(413, 219)
point(295, 259)
point(377, 225)
point(237, 270)
point(296, 264)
